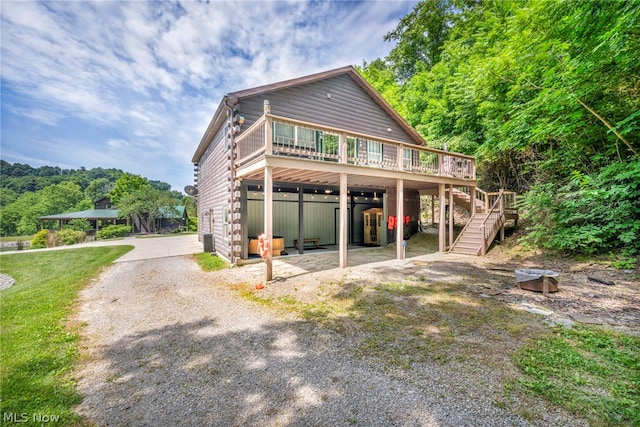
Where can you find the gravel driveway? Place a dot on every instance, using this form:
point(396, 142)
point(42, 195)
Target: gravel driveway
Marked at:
point(167, 344)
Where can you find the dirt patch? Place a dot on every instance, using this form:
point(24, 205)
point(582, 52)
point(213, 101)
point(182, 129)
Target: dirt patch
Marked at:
point(310, 278)
point(578, 297)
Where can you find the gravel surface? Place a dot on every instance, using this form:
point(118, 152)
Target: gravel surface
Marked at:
point(6, 281)
point(167, 344)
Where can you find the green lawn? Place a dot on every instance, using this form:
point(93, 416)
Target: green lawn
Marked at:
point(592, 371)
point(210, 263)
point(15, 238)
point(37, 346)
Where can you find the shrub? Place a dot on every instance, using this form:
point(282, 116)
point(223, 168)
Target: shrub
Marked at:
point(70, 237)
point(112, 231)
point(79, 224)
point(589, 214)
point(40, 239)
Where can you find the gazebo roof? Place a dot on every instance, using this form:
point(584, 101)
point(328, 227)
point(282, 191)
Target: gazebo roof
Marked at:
point(88, 214)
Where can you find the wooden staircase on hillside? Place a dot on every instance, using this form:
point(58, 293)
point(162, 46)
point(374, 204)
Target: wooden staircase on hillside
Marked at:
point(492, 212)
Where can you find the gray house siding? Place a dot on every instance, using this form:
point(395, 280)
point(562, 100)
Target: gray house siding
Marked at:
point(349, 108)
point(213, 192)
point(337, 99)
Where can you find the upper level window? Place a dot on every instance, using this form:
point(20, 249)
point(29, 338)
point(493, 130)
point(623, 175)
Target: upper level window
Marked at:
point(284, 134)
point(306, 138)
point(374, 151)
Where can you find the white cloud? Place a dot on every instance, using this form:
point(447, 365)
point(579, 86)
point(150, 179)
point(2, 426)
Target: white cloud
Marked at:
point(142, 79)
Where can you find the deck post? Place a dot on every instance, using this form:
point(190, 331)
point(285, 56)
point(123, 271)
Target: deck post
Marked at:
point(268, 221)
point(343, 220)
point(342, 148)
point(433, 210)
point(244, 227)
point(268, 136)
point(472, 195)
point(385, 220)
point(441, 224)
point(501, 195)
point(300, 220)
point(451, 219)
point(400, 218)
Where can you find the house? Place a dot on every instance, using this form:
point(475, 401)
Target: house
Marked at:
point(301, 160)
point(104, 214)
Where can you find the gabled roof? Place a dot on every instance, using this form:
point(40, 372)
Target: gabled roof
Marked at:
point(169, 214)
point(88, 214)
point(109, 214)
point(234, 97)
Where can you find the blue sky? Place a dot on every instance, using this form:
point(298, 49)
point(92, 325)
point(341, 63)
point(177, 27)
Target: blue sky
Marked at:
point(132, 85)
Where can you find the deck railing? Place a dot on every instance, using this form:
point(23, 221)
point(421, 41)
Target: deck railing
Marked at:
point(492, 223)
point(280, 136)
point(486, 199)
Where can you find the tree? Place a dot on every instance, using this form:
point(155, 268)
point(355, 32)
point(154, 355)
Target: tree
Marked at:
point(98, 188)
point(145, 205)
point(544, 94)
point(421, 34)
point(126, 185)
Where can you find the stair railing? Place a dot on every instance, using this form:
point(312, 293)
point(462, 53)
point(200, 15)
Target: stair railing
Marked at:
point(494, 220)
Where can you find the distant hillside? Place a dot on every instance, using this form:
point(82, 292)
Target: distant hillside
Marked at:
point(18, 178)
point(27, 193)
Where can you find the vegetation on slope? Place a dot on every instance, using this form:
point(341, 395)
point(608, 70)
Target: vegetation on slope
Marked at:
point(545, 94)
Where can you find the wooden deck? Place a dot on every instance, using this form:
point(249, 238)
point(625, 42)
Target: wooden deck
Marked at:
point(370, 162)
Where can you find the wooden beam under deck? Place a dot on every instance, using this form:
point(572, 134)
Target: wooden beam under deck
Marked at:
point(305, 171)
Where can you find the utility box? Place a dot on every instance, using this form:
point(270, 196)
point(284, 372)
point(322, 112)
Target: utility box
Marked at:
point(372, 226)
point(207, 239)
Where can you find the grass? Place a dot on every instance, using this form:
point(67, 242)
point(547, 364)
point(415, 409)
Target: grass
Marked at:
point(591, 371)
point(405, 323)
point(209, 262)
point(16, 238)
point(38, 344)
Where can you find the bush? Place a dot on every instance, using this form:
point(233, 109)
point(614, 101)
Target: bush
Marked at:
point(112, 231)
point(589, 214)
point(79, 224)
point(40, 239)
point(70, 237)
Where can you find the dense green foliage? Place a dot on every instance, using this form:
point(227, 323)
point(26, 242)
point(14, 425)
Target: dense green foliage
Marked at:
point(37, 347)
point(111, 231)
point(136, 198)
point(592, 372)
point(546, 95)
point(27, 193)
point(40, 239)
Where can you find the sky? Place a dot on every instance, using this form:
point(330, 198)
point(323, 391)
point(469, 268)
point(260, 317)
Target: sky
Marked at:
point(133, 85)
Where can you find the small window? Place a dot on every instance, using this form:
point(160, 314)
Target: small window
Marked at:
point(306, 138)
point(407, 159)
point(374, 151)
point(284, 135)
